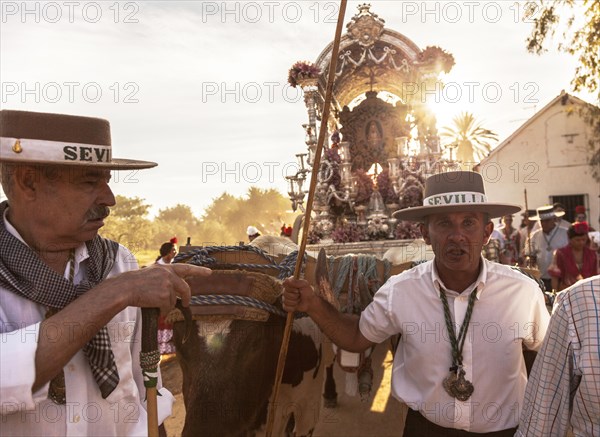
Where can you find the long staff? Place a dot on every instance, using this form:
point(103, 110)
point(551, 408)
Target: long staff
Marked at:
point(149, 359)
point(311, 194)
point(529, 266)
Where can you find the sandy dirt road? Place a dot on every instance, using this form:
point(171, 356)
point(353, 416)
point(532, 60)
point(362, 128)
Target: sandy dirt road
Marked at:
point(380, 416)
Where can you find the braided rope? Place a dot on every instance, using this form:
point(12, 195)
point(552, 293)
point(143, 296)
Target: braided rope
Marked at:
point(229, 299)
point(149, 364)
point(202, 257)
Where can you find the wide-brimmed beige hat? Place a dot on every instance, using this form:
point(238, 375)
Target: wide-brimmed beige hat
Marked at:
point(455, 191)
point(58, 139)
point(546, 212)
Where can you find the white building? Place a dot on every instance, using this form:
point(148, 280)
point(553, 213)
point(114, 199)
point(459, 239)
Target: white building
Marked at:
point(549, 157)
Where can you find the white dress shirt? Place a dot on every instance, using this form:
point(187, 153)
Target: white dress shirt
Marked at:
point(509, 312)
point(86, 413)
point(543, 247)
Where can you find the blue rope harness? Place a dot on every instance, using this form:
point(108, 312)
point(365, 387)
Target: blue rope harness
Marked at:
point(203, 257)
point(228, 299)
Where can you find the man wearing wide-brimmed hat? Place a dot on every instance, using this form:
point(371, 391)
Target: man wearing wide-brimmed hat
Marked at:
point(463, 320)
point(70, 349)
point(252, 233)
point(544, 241)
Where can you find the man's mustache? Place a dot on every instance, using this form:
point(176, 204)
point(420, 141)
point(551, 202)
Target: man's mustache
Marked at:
point(97, 213)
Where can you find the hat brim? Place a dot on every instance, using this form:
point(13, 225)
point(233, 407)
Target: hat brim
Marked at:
point(418, 213)
point(556, 215)
point(114, 164)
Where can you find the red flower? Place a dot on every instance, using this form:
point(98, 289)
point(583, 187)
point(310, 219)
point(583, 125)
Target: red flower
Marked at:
point(581, 227)
point(286, 231)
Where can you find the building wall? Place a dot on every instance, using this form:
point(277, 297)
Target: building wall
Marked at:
point(548, 158)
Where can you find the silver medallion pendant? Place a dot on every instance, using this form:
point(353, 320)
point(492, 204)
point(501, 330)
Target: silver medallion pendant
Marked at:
point(457, 386)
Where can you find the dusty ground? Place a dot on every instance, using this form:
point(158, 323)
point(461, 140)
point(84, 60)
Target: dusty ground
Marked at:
point(380, 416)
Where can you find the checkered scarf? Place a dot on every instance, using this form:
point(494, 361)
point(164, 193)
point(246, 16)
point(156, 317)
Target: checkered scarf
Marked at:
point(23, 273)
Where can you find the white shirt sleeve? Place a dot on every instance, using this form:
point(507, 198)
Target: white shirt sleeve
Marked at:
point(17, 361)
point(376, 321)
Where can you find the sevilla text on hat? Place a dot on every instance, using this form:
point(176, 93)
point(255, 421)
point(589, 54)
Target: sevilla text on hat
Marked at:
point(454, 192)
point(455, 198)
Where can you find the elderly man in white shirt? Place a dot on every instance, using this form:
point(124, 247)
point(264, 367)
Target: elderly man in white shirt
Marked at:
point(463, 320)
point(544, 241)
point(70, 322)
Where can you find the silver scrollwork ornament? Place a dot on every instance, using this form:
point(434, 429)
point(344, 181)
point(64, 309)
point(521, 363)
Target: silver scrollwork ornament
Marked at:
point(457, 386)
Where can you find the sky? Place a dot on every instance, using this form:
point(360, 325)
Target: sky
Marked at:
point(201, 87)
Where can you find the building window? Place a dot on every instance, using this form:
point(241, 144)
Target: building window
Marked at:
point(570, 202)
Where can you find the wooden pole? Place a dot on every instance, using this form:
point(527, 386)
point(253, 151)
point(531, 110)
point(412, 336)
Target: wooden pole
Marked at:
point(149, 359)
point(311, 194)
point(529, 263)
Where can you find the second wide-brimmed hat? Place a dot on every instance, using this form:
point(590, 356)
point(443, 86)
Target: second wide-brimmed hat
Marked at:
point(547, 212)
point(455, 191)
point(58, 139)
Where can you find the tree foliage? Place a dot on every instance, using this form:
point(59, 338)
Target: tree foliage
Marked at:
point(580, 37)
point(471, 139)
point(129, 224)
point(224, 222)
point(583, 42)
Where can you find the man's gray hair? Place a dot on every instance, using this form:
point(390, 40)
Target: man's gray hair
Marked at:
point(6, 172)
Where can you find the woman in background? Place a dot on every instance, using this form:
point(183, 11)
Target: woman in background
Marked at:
point(575, 261)
point(168, 251)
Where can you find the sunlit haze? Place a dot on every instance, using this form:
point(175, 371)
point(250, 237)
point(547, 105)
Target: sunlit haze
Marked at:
point(201, 87)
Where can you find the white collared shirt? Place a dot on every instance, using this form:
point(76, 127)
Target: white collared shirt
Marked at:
point(543, 247)
point(509, 312)
point(86, 413)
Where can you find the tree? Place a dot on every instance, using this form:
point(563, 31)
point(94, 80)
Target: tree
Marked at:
point(177, 221)
point(227, 217)
point(584, 42)
point(471, 140)
point(128, 223)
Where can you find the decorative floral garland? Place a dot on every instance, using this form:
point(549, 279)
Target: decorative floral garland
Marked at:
point(302, 70)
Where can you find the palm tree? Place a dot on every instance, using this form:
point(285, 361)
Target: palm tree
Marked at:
point(472, 141)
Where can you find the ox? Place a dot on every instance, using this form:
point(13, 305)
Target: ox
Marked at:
point(229, 364)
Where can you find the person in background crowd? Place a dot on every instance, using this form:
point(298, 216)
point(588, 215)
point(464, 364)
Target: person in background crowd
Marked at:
point(560, 211)
point(580, 215)
point(524, 232)
point(252, 233)
point(575, 261)
point(286, 231)
point(546, 240)
point(563, 390)
point(167, 251)
point(446, 369)
point(511, 237)
point(492, 250)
